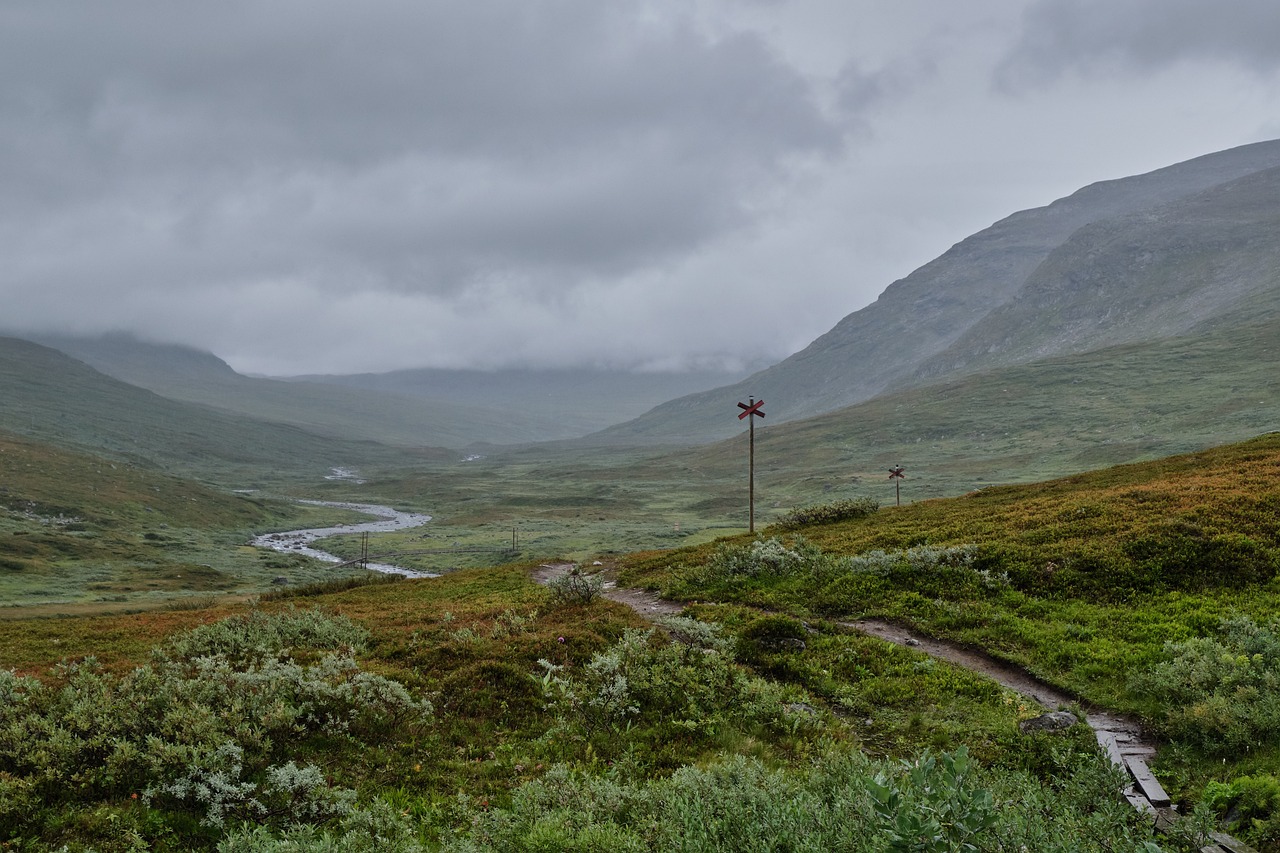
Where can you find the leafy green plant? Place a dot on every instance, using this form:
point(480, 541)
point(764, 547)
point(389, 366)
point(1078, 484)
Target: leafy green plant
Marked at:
point(643, 686)
point(840, 801)
point(936, 808)
point(213, 726)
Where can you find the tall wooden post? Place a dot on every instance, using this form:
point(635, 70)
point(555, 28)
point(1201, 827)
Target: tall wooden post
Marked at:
point(897, 473)
point(751, 411)
point(751, 488)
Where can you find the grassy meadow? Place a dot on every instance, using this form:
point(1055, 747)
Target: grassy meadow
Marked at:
point(480, 710)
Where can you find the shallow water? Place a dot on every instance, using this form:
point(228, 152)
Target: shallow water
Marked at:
point(299, 541)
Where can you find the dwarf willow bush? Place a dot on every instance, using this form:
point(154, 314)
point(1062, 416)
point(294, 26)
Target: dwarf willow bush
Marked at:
point(660, 690)
point(1220, 694)
point(213, 726)
point(837, 581)
point(575, 587)
point(762, 559)
point(840, 801)
point(828, 513)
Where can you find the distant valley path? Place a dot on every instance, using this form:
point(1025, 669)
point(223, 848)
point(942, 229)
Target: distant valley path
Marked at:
point(300, 541)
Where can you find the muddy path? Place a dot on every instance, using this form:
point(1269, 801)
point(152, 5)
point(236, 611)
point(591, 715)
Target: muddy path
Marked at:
point(1011, 676)
point(647, 604)
point(1121, 738)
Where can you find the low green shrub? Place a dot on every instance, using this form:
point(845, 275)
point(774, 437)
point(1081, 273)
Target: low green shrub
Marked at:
point(649, 688)
point(214, 726)
point(1219, 694)
point(260, 633)
point(1250, 806)
point(840, 801)
point(766, 636)
point(575, 587)
point(763, 559)
point(844, 510)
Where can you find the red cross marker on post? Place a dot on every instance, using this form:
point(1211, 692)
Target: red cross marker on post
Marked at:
point(897, 473)
point(751, 410)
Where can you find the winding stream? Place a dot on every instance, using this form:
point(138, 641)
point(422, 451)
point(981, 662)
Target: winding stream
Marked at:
point(300, 541)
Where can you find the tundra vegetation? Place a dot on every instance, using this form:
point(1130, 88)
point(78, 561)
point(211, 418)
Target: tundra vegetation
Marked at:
point(482, 711)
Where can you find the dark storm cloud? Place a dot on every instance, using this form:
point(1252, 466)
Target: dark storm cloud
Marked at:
point(309, 187)
point(1103, 35)
point(406, 146)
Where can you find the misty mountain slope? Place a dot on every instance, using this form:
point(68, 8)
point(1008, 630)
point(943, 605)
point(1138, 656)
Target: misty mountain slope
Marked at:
point(918, 318)
point(189, 375)
point(1157, 273)
point(62, 401)
point(1020, 423)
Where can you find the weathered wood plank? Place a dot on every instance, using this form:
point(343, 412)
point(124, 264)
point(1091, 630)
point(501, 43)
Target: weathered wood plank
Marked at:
point(1226, 842)
point(1107, 740)
point(1147, 783)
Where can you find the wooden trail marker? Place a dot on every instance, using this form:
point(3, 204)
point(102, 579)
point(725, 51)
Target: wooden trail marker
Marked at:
point(751, 410)
point(897, 473)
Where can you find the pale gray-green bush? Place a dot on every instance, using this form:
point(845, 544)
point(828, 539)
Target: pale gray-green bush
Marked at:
point(1221, 693)
point(209, 726)
point(669, 685)
point(575, 587)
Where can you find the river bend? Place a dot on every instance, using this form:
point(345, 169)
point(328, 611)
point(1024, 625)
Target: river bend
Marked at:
point(388, 519)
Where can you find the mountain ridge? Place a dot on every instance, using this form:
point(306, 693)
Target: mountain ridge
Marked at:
point(919, 317)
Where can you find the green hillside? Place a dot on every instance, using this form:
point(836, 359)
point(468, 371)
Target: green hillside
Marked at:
point(411, 408)
point(84, 533)
point(1013, 425)
point(335, 410)
point(59, 400)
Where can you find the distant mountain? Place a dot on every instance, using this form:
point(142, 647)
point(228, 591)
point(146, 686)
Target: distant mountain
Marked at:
point(1145, 258)
point(580, 400)
point(407, 420)
point(63, 402)
point(408, 408)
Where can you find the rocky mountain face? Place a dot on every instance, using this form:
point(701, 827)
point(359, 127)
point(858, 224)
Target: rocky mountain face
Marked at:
point(1136, 259)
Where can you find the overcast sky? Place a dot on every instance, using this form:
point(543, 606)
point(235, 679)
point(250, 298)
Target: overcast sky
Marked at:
point(309, 186)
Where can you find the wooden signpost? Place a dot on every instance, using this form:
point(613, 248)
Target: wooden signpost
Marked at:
point(897, 473)
point(751, 410)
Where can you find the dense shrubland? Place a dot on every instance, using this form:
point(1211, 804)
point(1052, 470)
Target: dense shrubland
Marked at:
point(247, 719)
point(265, 732)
